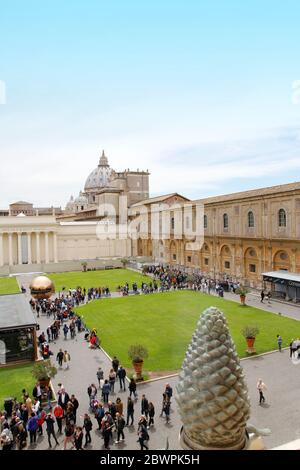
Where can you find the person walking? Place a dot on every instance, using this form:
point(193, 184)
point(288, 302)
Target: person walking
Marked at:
point(100, 377)
point(120, 424)
point(112, 380)
point(166, 410)
point(130, 411)
point(261, 387)
point(50, 429)
point(75, 404)
point(65, 330)
point(60, 357)
point(119, 406)
point(145, 406)
point(69, 434)
point(78, 438)
point(122, 375)
point(105, 391)
point(279, 342)
point(293, 347)
point(143, 433)
point(32, 427)
point(132, 388)
point(99, 415)
point(88, 426)
point(151, 414)
point(21, 436)
point(115, 364)
point(92, 393)
point(66, 359)
point(169, 392)
point(58, 413)
point(106, 434)
point(63, 399)
point(262, 296)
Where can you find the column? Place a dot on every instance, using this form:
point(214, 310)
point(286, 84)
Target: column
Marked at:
point(46, 247)
point(55, 247)
point(38, 248)
point(29, 248)
point(1, 250)
point(20, 248)
point(10, 251)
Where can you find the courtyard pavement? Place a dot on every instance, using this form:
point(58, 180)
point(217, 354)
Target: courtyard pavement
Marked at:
point(280, 413)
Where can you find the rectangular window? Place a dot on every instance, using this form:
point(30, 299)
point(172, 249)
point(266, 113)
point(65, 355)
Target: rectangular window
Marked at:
point(189, 258)
point(252, 268)
point(174, 257)
point(206, 261)
point(227, 264)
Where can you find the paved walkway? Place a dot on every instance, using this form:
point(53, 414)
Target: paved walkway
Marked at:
point(281, 412)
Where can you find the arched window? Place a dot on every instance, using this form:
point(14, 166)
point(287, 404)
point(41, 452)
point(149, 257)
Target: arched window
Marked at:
point(250, 219)
point(172, 223)
point(205, 221)
point(282, 218)
point(225, 221)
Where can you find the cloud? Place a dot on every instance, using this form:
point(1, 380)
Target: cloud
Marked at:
point(48, 174)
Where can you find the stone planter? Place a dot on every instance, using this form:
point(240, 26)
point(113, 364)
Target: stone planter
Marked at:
point(138, 367)
point(250, 346)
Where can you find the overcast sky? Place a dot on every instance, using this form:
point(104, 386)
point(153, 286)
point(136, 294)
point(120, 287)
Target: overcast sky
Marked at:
point(203, 93)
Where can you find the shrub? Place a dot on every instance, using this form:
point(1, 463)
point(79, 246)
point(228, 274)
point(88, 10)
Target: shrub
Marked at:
point(242, 290)
point(250, 331)
point(44, 370)
point(137, 353)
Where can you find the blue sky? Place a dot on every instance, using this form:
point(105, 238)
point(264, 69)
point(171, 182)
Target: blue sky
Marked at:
point(199, 92)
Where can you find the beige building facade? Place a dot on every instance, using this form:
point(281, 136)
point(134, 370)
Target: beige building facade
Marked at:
point(41, 243)
point(242, 235)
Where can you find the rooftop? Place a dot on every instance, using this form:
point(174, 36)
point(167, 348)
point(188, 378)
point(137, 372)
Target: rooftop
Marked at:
point(15, 312)
point(284, 275)
point(152, 200)
point(253, 193)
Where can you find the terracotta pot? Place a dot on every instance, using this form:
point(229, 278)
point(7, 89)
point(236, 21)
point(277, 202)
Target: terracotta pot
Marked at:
point(250, 342)
point(138, 366)
point(243, 298)
point(44, 382)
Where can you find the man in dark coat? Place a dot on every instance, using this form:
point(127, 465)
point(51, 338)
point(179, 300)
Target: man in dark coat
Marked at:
point(50, 429)
point(63, 399)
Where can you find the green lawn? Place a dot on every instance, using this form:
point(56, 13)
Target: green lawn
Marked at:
point(165, 322)
point(111, 278)
point(13, 380)
point(8, 285)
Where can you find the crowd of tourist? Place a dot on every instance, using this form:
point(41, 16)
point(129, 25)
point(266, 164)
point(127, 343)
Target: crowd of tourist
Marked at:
point(36, 414)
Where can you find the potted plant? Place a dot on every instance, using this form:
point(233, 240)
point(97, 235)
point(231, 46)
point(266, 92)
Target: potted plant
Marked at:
point(242, 291)
point(124, 262)
point(84, 265)
point(250, 332)
point(137, 353)
point(43, 371)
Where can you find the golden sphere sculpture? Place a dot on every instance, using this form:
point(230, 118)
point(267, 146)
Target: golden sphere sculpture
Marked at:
point(41, 288)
